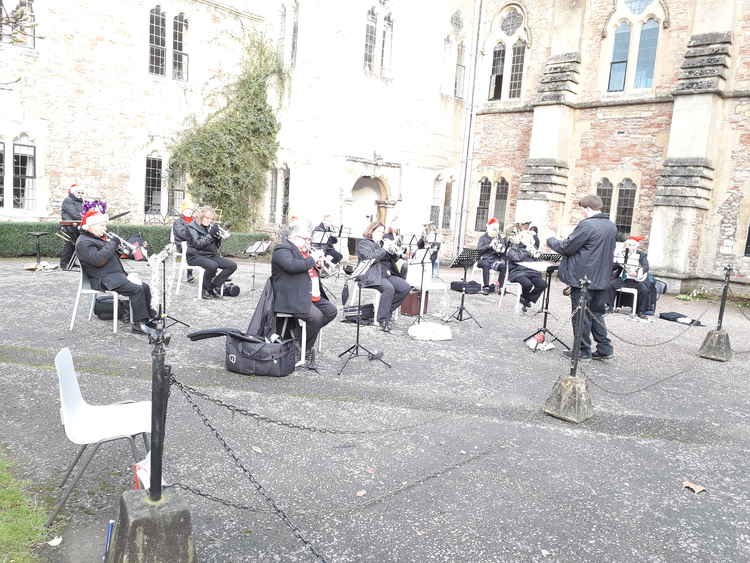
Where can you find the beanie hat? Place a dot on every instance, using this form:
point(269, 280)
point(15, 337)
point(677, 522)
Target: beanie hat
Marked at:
point(93, 217)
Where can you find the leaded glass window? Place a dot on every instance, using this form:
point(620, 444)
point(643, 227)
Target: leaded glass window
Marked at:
point(370, 31)
point(625, 204)
point(157, 39)
point(177, 190)
point(458, 85)
point(179, 56)
point(485, 188)
point(285, 197)
point(152, 200)
point(498, 64)
point(604, 191)
point(447, 205)
point(619, 66)
point(24, 176)
point(501, 201)
point(644, 71)
point(516, 69)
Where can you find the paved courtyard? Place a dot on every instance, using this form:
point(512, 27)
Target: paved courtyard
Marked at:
point(456, 461)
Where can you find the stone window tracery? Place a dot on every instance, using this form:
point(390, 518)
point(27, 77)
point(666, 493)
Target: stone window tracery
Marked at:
point(510, 35)
point(637, 6)
point(157, 34)
point(604, 191)
point(516, 69)
point(485, 189)
point(179, 56)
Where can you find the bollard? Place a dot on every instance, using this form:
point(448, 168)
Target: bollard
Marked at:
point(716, 345)
point(570, 399)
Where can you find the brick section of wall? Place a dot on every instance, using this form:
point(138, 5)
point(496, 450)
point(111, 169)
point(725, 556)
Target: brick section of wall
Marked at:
point(735, 211)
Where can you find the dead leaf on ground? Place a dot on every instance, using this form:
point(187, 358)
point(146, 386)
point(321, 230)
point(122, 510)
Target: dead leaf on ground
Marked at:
point(693, 487)
point(54, 542)
point(361, 493)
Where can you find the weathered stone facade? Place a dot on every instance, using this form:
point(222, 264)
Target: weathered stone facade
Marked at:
point(668, 146)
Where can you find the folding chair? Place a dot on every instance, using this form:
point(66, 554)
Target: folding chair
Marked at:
point(95, 425)
point(84, 287)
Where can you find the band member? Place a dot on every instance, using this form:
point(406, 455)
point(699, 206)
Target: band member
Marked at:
point(393, 289)
point(296, 284)
point(534, 229)
point(631, 270)
point(180, 231)
point(522, 249)
point(492, 258)
point(431, 239)
point(329, 249)
point(70, 211)
point(203, 251)
point(100, 262)
point(588, 252)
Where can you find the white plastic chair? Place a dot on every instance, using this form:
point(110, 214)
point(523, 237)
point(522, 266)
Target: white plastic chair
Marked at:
point(303, 324)
point(84, 287)
point(184, 266)
point(367, 293)
point(516, 288)
point(634, 292)
point(95, 425)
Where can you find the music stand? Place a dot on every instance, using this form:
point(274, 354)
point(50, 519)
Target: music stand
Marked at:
point(465, 260)
point(420, 257)
point(320, 238)
point(259, 247)
point(161, 258)
point(543, 330)
point(354, 349)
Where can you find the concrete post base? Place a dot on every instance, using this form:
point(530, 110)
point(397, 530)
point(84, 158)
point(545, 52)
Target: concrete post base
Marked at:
point(570, 400)
point(716, 346)
point(149, 532)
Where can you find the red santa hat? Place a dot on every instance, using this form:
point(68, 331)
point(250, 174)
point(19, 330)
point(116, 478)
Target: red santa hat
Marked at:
point(493, 221)
point(93, 217)
point(636, 239)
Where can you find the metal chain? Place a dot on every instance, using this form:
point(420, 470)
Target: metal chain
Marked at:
point(640, 345)
point(738, 305)
point(258, 487)
point(639, 389)
point(209, 496)
point(294, 426)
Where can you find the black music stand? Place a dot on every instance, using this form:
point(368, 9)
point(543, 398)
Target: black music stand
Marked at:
point(425, 252)
point(355, 349)
point(465, 260)
point(160, 259)
point(544, 331)
point(254, 250)
point(38, 235)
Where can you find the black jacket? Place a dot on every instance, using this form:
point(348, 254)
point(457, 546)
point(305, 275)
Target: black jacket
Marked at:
point(485, 246)
point(370, 250)
point(292, 287)
point(180, 231)
point(71, 208)
point(518, 253)
point(201, 242)
point(100, 262)
point(588, 251)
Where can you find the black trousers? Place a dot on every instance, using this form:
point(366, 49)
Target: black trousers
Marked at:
point(393, 290)
point(212, 264)
point(533, 284)
point(486, 276)
point(644, 293)
point(140, 299)
point(321, 313)
point(68, 248)
point(593, 323)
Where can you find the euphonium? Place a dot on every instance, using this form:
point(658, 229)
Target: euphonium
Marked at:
point(223, 233)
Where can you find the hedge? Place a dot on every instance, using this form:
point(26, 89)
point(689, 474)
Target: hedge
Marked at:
point(14, 240)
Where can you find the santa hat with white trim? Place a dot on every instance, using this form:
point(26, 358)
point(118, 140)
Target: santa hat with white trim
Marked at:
point(93, 217)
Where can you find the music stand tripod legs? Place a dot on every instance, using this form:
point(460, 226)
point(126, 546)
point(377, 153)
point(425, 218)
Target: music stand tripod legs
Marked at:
point(356, 349)
point(462, 313)
point(545, 304)
point(465, 260)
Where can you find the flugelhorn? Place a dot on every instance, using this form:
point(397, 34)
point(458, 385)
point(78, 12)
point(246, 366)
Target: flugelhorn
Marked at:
point(121, 241)
point(222, 232)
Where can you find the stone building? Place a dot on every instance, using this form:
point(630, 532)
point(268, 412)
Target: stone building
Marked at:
point(646, 102)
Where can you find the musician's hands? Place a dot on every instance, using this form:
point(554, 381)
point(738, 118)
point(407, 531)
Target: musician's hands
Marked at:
point(213, 230)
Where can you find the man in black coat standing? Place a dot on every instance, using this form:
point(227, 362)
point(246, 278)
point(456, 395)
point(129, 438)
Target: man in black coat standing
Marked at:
point(296, 284)
point(589, 252)
point(101, 264)
point(70, 210)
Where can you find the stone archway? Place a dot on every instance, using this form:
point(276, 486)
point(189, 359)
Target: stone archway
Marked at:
point(367, 204)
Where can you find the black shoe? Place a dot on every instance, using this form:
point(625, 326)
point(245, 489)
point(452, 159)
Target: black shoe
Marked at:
point(385, 326)
point(569, 354)
point(600, 356)
point(216, 292)
point(207, 294)
point(310, 360)
point(145, 328)
point(486, 290)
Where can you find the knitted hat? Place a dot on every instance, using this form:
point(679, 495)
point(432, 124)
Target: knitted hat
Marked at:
point(93, 217)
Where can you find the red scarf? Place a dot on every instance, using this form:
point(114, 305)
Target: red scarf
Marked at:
point(315, 279)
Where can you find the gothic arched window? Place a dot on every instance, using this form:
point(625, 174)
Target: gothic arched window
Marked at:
point(604, 191)
point(644, 71)
point(625, 205)
point(458, 86)
point(370, 38)
point(157, 41)
point(498, 64)
point(618, 68)
point(485, 189)
point(501, 201)
point(511, 34)
point(516, 69)
point(179, 56)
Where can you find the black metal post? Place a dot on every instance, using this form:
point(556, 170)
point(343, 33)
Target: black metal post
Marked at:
point(582, 306)
point(159, 397)
point(725, 291)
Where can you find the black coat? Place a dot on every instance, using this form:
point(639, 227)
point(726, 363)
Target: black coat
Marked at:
point(485, 247)
point(370, 250)
point(201, 242)
point(292, 287)
point(519, 253)
point(588, 251)
point(180, 231)
point(71, 208)
point(100, 262)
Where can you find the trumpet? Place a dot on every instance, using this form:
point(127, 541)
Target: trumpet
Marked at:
point(222, 232)
point(121, 241)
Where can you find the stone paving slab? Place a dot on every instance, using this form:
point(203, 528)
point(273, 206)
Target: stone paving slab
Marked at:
point(477, 473)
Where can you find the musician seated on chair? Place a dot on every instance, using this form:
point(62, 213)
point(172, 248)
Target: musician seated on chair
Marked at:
point(631, 270)
point(430, 239)
point(100, 262)
point(70, 210)
point(328, 247)
point(492, 245)
point(180, 231)
point(522, 249)
point(296, 284)
point(203, 250)
point(393, 289)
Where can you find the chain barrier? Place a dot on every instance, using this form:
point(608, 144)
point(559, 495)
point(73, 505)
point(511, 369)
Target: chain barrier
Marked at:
point(639, 389)
point(258, 487)
point(652, 345)
point(214, 498)
point(739, 308)
point(234, 409)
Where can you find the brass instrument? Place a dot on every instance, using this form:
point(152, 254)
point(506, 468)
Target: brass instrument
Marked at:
point(323, 263)
point(630, 260)
point(526, 238)
point(499, 244)
point(223, 233)
point(130, 248)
